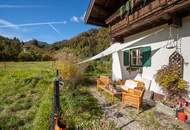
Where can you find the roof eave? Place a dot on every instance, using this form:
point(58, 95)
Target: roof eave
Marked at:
point(87, 16)
point(97, 24)
point(91, 4)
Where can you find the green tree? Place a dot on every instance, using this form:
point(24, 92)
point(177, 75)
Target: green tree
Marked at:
point(26, 56)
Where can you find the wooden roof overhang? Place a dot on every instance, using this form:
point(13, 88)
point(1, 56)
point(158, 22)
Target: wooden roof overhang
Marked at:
point(157, 12)
point(99, 10)
point(175, 10)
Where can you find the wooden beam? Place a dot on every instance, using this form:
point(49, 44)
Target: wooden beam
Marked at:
point(166, 17)
point(104, 8)
point(89, 10)
point(107, 2)
point(96, 21)
point(98, 10)
point(117, 39)
point(180, 5)
point(176, 21)
point(115, 15)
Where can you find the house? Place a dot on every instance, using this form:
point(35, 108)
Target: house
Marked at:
point(25, 49)
point(131, 24)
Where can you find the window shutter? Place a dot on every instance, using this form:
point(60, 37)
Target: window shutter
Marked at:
point(126, 57)
point(146, 56)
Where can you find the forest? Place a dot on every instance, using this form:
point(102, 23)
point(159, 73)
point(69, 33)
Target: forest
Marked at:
point(83, 45)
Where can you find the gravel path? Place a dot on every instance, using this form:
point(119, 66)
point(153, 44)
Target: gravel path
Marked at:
point(115, 113)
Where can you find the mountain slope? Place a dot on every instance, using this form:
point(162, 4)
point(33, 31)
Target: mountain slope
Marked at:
point(87, 43)
point(84, 45)
point(40, 44)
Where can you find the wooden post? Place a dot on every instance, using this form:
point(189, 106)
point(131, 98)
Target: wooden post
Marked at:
point(56, 96)
point(55, 104)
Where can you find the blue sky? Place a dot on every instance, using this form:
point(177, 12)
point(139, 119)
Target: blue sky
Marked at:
point(15, 13)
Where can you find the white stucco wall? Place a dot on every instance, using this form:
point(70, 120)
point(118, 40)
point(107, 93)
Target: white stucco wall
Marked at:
point(116, 66)
point(160, 56)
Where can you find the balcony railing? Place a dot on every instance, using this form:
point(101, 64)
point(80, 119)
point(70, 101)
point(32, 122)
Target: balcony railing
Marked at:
point(115, 16)
point(148, 10)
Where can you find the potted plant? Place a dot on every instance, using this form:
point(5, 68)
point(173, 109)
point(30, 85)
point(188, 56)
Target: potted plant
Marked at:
point(170, 79)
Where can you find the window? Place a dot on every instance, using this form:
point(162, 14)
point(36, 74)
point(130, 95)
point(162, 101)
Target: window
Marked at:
point(138, 57)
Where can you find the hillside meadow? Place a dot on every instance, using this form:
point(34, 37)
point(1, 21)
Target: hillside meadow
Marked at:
point(25, 94)
point(26, 91)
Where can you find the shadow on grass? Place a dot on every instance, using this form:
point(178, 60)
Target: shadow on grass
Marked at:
point(88, 81)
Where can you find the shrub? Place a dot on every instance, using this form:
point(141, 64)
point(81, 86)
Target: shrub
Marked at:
point(36, 56)
point(33, 56)
point(25, 56)
point(99, 67)
point(46, 57)
point(68, 68)
point(170, 79)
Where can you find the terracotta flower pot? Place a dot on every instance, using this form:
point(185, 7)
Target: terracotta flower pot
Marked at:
point(182, 117)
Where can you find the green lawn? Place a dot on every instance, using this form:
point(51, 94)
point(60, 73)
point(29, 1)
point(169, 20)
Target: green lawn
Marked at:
point(26, 90)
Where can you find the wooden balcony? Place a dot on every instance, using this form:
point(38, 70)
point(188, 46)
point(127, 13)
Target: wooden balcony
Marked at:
point(155, 13)
point(115, 16)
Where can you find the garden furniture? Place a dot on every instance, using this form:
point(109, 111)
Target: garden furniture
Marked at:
point(104, 83)
point(133, 97)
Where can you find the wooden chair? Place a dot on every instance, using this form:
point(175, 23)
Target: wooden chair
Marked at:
point(102, 83)
point(133, 97)
point(121, 82)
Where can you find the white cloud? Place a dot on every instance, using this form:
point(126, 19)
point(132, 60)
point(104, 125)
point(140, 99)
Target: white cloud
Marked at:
point(22, 6)
point(74, 19)
point(83, 16)
point(19, 29)
point(78, 19)
point(8, 24)
point(64, 22)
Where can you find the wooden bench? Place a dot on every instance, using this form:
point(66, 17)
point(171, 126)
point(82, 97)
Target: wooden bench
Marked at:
point(103, 83)
point(133, 97)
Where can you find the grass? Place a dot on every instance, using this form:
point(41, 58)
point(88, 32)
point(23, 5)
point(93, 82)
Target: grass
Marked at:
point(79, 108)
point(25, 95)
point(26, 90)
